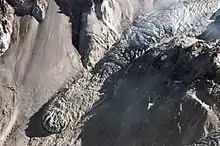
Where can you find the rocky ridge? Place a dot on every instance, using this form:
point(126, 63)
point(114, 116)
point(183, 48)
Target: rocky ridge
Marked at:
point(150, 77)
point(184, 94)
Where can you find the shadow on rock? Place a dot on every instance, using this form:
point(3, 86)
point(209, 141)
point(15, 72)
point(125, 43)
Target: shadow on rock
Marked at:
point(149, 105)
point(117, 121)
point(113, 118)
point(212, 31)
point(35, 127)
point(128, 97)
point(72, 9)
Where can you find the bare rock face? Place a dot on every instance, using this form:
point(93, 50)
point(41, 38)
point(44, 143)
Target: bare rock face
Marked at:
point(6, 22)
point(22, 6)
point(102, 25)
point(189, 111)
point(151, 72)
point(57, 115)
point(39, 9)
point(209, 140)
point(144, 29)
point(176, 72)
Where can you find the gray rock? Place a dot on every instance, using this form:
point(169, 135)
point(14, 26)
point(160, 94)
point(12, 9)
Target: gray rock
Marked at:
point(147, 30)
point(95, 38)
point(6, 24)
point(212, 139)
point(39, 9)
point(147, 79)
point(212, 31)
point(22, 7)
point(57, 116)
point(103, 24)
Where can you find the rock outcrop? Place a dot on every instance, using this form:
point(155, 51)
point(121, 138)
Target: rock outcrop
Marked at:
point(184, 98)
point(188, 111)
point(6, 23)
point(101, 27)
point(210, 139)
point(99, 31)
point(37, 8)
point(151, 72)
point(57, 115)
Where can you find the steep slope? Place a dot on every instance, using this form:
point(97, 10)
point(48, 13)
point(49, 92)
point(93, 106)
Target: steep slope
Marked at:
point(109, 72)
point(40, 58)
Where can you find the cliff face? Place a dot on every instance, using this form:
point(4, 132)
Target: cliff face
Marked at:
point(7, 18)
point(109, 72)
